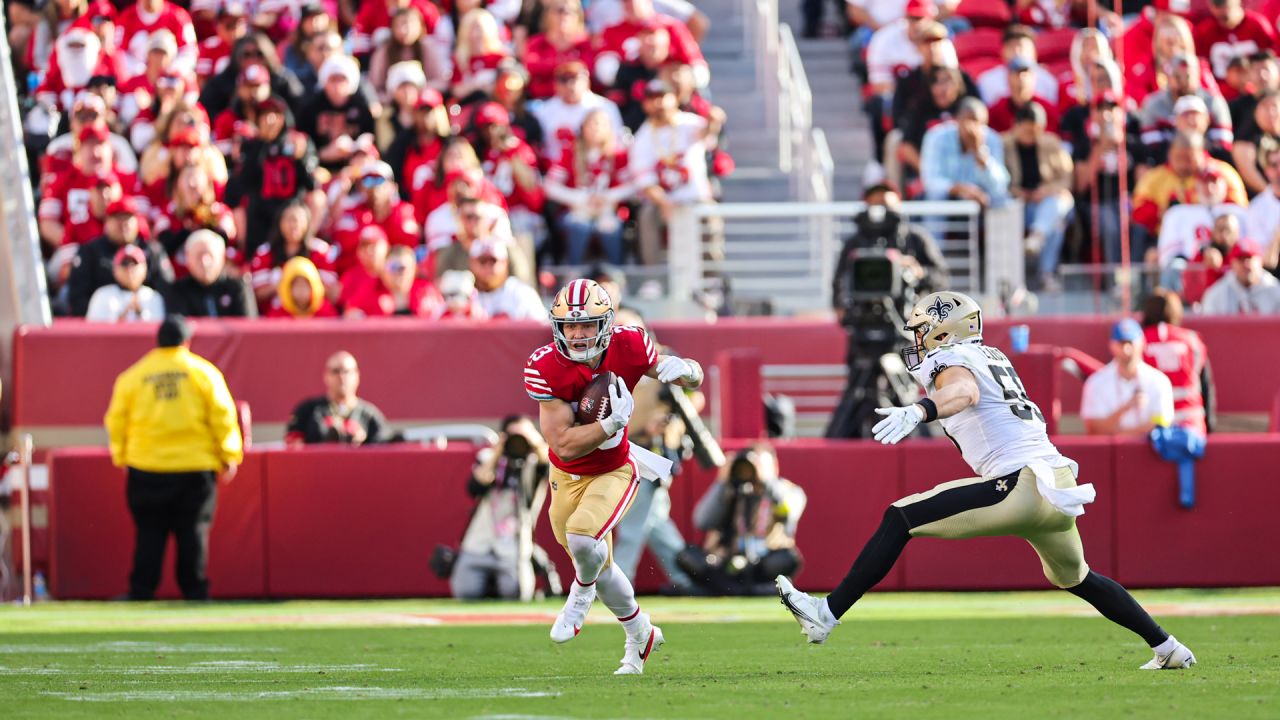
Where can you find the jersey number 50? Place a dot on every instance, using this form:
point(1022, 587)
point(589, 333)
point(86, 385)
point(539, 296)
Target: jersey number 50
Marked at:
point(1014, 393)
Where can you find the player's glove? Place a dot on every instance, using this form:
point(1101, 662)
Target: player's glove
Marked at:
point(672, 368)
point(621, 405)
point(897, 423)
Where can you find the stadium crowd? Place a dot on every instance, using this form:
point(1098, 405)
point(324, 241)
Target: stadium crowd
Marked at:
point(1165, 119)
point(323, 158)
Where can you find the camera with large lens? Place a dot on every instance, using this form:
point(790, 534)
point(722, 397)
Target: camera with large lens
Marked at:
point(877, 289)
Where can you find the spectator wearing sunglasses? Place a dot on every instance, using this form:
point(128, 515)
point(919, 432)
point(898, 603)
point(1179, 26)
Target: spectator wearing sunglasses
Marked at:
point(380, 205)
point(254, 48)
point(398, 292)
point(339, 416)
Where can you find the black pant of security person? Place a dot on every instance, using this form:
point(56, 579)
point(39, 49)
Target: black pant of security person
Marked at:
point(177, 503)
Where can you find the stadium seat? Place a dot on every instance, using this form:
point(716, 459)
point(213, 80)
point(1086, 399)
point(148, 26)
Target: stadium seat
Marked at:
point(1055, 45)
point(985, 13)
point(979, 43)
point(977, 66)
point(1195, 280)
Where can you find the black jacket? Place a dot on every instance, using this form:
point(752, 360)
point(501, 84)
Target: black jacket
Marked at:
point(909, 239)
point(226, 297)
point(92, 268)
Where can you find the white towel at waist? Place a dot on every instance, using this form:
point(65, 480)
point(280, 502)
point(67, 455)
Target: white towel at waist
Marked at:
point(1068, 501)
point(651, 465)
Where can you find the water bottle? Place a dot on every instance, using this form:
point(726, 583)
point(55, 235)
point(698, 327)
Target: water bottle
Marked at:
point(39, 590)
point(1019, 338)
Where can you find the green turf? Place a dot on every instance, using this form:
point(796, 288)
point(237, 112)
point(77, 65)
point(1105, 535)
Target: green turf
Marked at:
point(990, 656)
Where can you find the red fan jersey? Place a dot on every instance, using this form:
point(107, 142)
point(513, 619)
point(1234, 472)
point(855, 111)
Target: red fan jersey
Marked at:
point(622, 40)
point(550, 375)
point(400, 225)
point(1219, 45)
point(66, 200)
point(215, 54)
point(1180, 354)
point(541, 59)
point(133, 31)
point(497, 167)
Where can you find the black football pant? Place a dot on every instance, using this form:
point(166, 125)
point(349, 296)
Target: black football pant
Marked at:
point(165, 503)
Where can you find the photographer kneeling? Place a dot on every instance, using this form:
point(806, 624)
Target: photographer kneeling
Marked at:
point(509, 482)
point(750, 516)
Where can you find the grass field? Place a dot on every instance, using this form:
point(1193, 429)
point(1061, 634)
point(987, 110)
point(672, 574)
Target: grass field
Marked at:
point(989, 655)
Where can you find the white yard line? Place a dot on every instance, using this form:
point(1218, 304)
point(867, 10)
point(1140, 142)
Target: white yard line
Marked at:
point(339, 692)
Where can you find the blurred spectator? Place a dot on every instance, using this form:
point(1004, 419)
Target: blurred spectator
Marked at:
point(1229, 32)
point(1076, 89)
point(65, 216)
point(499, 293)
point(413, 154)
point(563, 37)
point(1040, 175)
point(319, 48)
point(371, 259)
point(1181, 355)
point(126, 300)
point(618, 46)
point(750, 516)
point(1019, 41)
point(1127, 396)
point(669, 164)
point(290, 238)
point(864, 16)
point(1187, 230)
point(78, 58)
point(561, 116)
point(371, 26)
point(508, 483)
point(339, 416)
point(1247, 289)
point(1264, 77)
point(137, 24)
point(314, 22)
point(1178, 182)
point(591, 180)
point(1264, 209)
point(457, 161)
point(628, 92)
point(185, 129)
point(254, 48)
point(138, 92)
point(476, 220)
point(170, 91)
point(215, 50)
point(1263, 127)
point(443, 224)
point(278, 166)
point(1163, 111)
point(476, 56)
point(88, 110)
point(408, 42)
point(512, 166)
point(209, 291)
point(1227, 231)
point(603, 14)
point(300, 293)
point(194, 207)
point(1146, 70)
point(964, 159)
point(378, 204)
point(1105, 79)
point(399, 290)
point(1108, 146)
point(337, 113)
point(891, 52)
point(460, 301)
point(404, 83)
point(509, 92)
point(95, 265)
point(172, 426)
point(1021, 94)
point(239, 121)
point(937, 106)
point(911, 94)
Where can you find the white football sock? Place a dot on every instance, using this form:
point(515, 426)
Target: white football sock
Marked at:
point(589, 556)
point(617, 594)
point(1167, 646)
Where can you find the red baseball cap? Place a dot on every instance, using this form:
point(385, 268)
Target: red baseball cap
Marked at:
point(124, 206)
point(920, 9)
point(372, 233)
point(429, 98)
point(132, 252)
point(189, 137)
point(1179, 7)
point(492, 114)
point(94, 132)
point(1243, 249)
point(272, 104)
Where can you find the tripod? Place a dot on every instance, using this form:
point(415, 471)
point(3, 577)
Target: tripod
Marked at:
point(877, 378)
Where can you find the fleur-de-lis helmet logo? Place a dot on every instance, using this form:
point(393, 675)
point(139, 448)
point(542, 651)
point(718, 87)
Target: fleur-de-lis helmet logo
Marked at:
point(939, 310)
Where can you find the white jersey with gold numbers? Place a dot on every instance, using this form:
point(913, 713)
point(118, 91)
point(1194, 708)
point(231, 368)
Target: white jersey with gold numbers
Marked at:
point(1004, 431)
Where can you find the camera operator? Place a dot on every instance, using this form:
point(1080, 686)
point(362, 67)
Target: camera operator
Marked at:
point(882, 226)
point(509, 482)
point(750, 516)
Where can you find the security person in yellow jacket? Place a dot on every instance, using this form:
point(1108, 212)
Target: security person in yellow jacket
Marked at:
point(173, 426)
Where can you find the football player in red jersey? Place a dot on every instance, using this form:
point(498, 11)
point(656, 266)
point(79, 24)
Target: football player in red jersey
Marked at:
point(595, 469)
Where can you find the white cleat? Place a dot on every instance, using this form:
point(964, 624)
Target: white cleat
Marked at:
point(639, 647)
point(815, 619)
point(1179, 658)
point(569, 622)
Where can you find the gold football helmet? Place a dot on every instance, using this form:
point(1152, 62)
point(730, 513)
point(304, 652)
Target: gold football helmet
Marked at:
point(582, 301)
point(940, 319)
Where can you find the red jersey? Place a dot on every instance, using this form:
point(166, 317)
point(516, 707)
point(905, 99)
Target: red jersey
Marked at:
point(66, 200)
point(375, 300)
point(1180, 354)
point(477, 64)
point(541, 59)
point(276, 310)
point(264, 271)
point(419, 166)
point(373, 20)
point(133, 31)
point(215, 53)
point(1002, 111)
point(431, 196)
point(497, 167)
point(353, 283)
point(400, 225)
point(622, 40)
point(550, 375)
point(1219, 45)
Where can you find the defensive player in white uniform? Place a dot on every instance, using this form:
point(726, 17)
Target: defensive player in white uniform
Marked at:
point(1025, 488)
